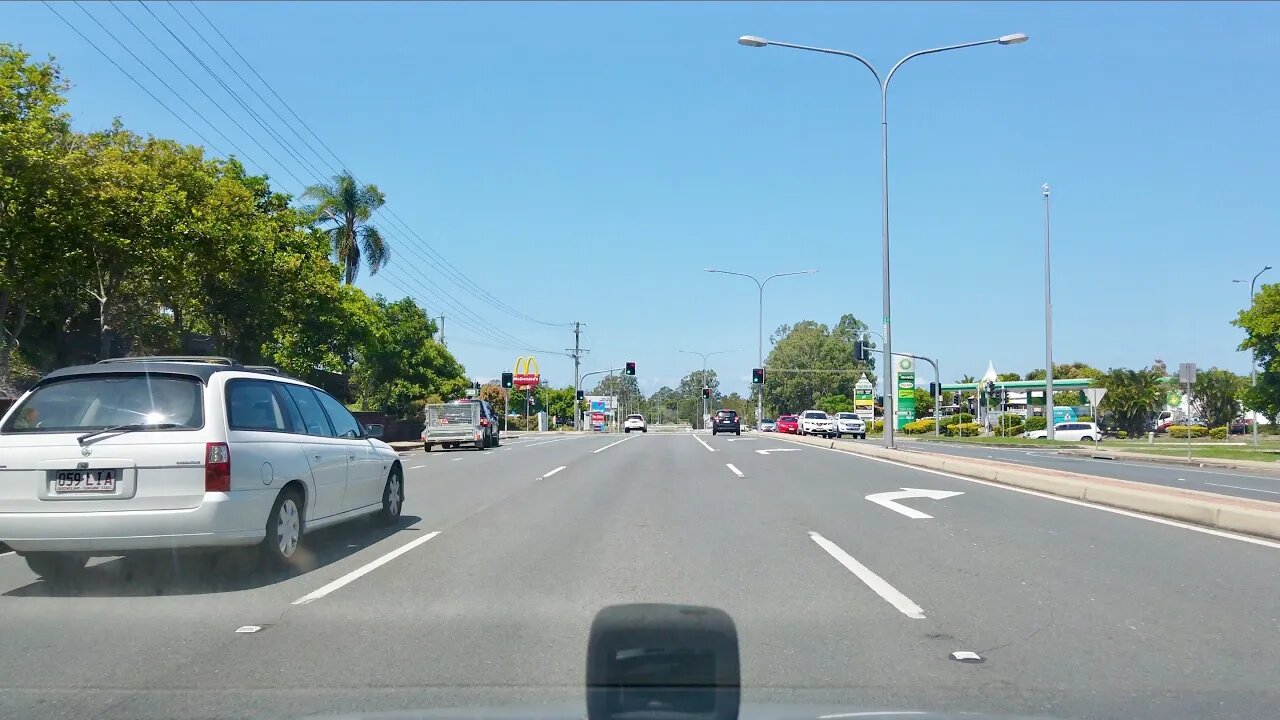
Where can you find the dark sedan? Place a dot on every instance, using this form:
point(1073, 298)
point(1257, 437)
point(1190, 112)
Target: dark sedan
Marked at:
point(726, 421)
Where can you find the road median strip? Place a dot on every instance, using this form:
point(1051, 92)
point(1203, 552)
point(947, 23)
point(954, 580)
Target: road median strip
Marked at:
point(1222, 512)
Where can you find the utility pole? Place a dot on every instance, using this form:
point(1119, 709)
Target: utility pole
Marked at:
point(442, 329)
point(576, 354)
point(1048, 326)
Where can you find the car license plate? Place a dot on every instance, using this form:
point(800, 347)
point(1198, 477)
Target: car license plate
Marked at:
point(85, 481)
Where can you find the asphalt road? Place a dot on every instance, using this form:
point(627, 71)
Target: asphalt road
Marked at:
point(1076, 611)
point(1240, 483)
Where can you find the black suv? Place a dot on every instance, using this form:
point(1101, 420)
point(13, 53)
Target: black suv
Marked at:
point(726, 421)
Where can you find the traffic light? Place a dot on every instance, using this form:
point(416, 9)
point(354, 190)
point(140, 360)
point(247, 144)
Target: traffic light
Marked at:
point(860, 350)
point(757, 376)
point(630, 368)
point(581, 394)
point(508, 380)
point(955, 398)
point(706, 393)
point(991, 388)
point(934, 390)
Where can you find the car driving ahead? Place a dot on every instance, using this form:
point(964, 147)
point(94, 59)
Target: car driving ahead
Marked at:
point(636, 422)
point(726, 421)
point(174, 453)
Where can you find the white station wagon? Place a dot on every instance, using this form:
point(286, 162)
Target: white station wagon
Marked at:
point(137, 454)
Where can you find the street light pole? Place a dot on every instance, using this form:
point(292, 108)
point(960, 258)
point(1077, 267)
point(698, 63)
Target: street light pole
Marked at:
point(704, 357)
point(760, 335)
point(752, 41)
point(1048, 328)
point(1253, 363)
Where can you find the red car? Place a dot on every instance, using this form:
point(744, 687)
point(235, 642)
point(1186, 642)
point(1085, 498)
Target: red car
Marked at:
point(789, 424)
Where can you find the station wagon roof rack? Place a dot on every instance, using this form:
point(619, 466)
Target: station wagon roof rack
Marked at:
point(211, 359)
point(264, 368)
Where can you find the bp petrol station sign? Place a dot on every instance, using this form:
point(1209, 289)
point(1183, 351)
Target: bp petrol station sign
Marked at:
point(904, 385)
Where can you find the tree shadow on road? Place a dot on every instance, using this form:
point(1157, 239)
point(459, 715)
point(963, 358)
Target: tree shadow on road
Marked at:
point(164, 573)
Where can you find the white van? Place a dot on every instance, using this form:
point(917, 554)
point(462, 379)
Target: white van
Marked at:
point(182, 452)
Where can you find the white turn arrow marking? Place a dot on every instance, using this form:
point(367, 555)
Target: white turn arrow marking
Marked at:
point(774, 450)
point(887, 500)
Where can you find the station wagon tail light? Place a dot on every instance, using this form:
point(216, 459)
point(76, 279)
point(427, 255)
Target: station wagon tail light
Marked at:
point(484, 422)
point(217, 467)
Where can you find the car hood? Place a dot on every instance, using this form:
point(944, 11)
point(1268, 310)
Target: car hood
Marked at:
point(747, 711)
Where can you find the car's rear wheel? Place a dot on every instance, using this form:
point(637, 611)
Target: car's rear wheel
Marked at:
point(1087, 438)
point(426, 447)
point(284, 529)
point(737, 432)
point(56, 566)
point(392, 497)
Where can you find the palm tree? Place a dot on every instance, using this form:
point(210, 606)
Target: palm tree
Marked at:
point(1133, 397)
point(353, 238)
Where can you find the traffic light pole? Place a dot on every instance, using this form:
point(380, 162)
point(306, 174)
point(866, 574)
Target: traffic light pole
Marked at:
point(578, 382)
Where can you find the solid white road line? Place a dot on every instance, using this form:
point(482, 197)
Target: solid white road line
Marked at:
point(364, 570)
point(415, 467)
point(549, 473)
point(704, 443)
point(1237, 487)
point(870, 579)
point(606, 447)
point(1071, 501)
point(544, 442)
point(457, 459)
point(734, 470)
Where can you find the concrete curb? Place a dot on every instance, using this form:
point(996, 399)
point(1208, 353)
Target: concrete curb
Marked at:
point(1232, 514)
point(1273, 467)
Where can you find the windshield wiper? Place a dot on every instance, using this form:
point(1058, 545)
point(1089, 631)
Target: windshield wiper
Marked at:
point(131, 427)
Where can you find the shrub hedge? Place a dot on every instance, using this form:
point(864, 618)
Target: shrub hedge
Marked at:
point(1035, 422)
point(1183, 431)
point(1219, 433)
point(957, 418)
point(969, 429)
point(918, 427)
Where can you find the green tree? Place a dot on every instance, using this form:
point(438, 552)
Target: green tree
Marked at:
point(496, 396)
point(811, 346)
point(1068, 371)
point(1009, 376)
point(624, 387)
point(691, 385)
point(1261, 324)
point(1068, 398)
point(349, 206)
point(403, 363)
point(1133, 397)
point(1216, 396)
point(833, 404)
point(924, 403)
point(37, 191)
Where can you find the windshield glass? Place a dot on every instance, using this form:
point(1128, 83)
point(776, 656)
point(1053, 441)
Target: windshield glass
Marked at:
point(102, 401)
point(816, 415)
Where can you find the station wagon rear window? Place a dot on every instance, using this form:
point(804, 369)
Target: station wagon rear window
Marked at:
point(96, 402)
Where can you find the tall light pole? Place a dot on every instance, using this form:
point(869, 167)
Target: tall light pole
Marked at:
point(704, 357)
point(760, 337)
point(752, 41)
point(1048, 328)
point(1253, 363)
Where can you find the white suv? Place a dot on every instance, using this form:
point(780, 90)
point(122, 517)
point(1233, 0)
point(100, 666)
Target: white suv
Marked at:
point(634, 422)
point(817, 422)
point(850, 424)
point(141, 454)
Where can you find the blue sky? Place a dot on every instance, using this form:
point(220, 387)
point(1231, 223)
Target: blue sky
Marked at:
point(586, 161)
